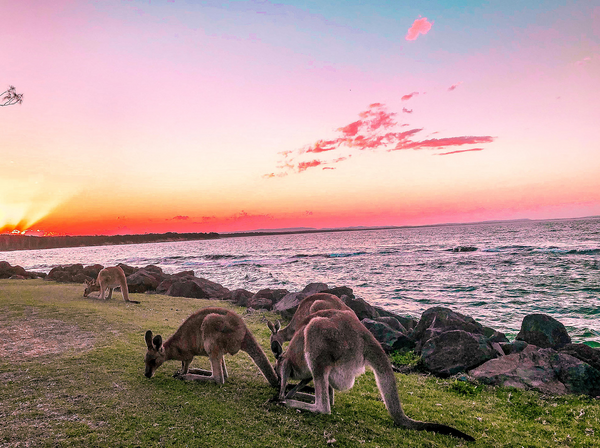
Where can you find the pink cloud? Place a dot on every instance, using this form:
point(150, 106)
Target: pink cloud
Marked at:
point(419, 26)
point(409, 96)
point(376, 129)
point(461, 150)
point(444, 142)
point(303, 166)
point(454, 86)
point(407, 111)
point(180, 218)
point(324, 145)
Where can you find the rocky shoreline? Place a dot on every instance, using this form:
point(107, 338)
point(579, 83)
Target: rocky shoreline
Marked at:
point(542, 357)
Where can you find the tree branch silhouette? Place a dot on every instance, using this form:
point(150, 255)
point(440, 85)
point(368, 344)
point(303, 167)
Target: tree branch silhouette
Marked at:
point(11, 97)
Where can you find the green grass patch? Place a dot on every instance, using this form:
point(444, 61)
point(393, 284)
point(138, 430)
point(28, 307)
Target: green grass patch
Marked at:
point(71, 374)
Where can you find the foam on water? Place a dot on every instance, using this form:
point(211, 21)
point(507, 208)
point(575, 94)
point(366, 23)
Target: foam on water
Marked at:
point(506, 270)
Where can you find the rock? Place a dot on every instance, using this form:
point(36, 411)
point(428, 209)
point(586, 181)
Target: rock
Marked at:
point(141, 281)
point(544, 331)
point(8, 271)
point(437, 320)
point(510, 348)
point(16, 277)
point(362, 309)
point(392, 322)
point(464, 249)
point(288, 304)
point(274, 295)
point(456, 351)
point(340, 291)
point(197, 288)
point(260, 303)
point(92, 271)
point(389, 338)
point(494, 335)
point(240, 297)
point(542, 369)
point(128, 270)
point(584, 353)
point(407, 322)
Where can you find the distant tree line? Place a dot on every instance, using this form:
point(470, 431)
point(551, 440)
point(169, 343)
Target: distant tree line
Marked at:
point(23, 242)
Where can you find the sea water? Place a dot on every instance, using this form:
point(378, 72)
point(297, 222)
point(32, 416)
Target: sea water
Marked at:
point(495, 272)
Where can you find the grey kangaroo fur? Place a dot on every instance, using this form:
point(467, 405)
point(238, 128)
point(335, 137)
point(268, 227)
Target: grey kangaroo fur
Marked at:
point(332, 347)
point(211, 332)
point(308, 305)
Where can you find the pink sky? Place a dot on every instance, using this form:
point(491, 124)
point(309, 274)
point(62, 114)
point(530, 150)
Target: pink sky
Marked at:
point(220, 116)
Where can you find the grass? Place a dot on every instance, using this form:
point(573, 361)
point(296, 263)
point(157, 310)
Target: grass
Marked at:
point(95, 394)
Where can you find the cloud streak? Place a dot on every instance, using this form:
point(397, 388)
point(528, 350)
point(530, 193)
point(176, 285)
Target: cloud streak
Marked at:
point(419, 26)
point(376, 129)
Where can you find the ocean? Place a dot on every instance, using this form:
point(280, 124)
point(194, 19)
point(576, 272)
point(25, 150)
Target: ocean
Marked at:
point(495, 272)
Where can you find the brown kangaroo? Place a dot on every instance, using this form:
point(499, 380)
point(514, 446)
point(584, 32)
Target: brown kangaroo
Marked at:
point(333, 347)
point(110, 278)
point(211, 332)
point(308, 305)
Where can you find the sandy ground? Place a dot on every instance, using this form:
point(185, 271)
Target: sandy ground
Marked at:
point(31, 336)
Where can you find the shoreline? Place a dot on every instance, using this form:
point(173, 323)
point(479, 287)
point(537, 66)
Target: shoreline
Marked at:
point(10, 242)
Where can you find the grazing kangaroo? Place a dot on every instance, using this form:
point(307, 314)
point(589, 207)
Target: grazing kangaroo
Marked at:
point(110, 278)
point(308, 305)
point(211, 332)
point(332, 347)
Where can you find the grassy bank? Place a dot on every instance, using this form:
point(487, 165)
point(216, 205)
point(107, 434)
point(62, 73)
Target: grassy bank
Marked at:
point(71, 374)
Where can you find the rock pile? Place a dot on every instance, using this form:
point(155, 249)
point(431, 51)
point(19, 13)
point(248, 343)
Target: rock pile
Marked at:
point(17, 272)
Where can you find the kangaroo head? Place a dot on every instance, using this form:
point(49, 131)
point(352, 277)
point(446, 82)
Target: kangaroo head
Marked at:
point(276, 338)
point(90, 286)
point(155, 355)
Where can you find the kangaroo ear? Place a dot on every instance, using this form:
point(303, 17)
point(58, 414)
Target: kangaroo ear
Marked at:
point(148, 338)
point(276, 349)
point(271, 327)
point(277, 326)
point(157, 341)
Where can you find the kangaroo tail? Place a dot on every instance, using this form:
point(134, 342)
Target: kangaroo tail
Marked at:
point(386, 382)
point(251, 346)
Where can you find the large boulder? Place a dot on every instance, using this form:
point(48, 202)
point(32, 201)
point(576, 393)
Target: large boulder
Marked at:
point(141, 281)
point(288, 304)
point(544, 331)
point(339, 291)
point(390, 338)
point(197, 288)
point(542, 369)
point(240, 297)
point(584, 353)
point(456, 351)
point(92, 271)
point(437, 320)
point(362, 309)
point(73, 273)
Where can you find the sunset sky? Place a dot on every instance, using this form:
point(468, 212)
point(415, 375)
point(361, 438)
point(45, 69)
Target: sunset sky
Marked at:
point(199, 116)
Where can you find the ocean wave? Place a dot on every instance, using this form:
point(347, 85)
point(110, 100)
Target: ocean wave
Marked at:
point(346, 254)
point(584, 252)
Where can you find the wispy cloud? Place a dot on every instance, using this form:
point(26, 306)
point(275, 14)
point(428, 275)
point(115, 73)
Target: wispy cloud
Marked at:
point(459, 151)
point(407, 111)
point(454, 86)
point(409, 96)
point(583, 61)
point(376, 129)
point(419, 26)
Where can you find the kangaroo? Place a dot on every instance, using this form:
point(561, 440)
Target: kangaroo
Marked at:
point(332, 347)
point(308, 305)
point(211, 332)
point(110, 278)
